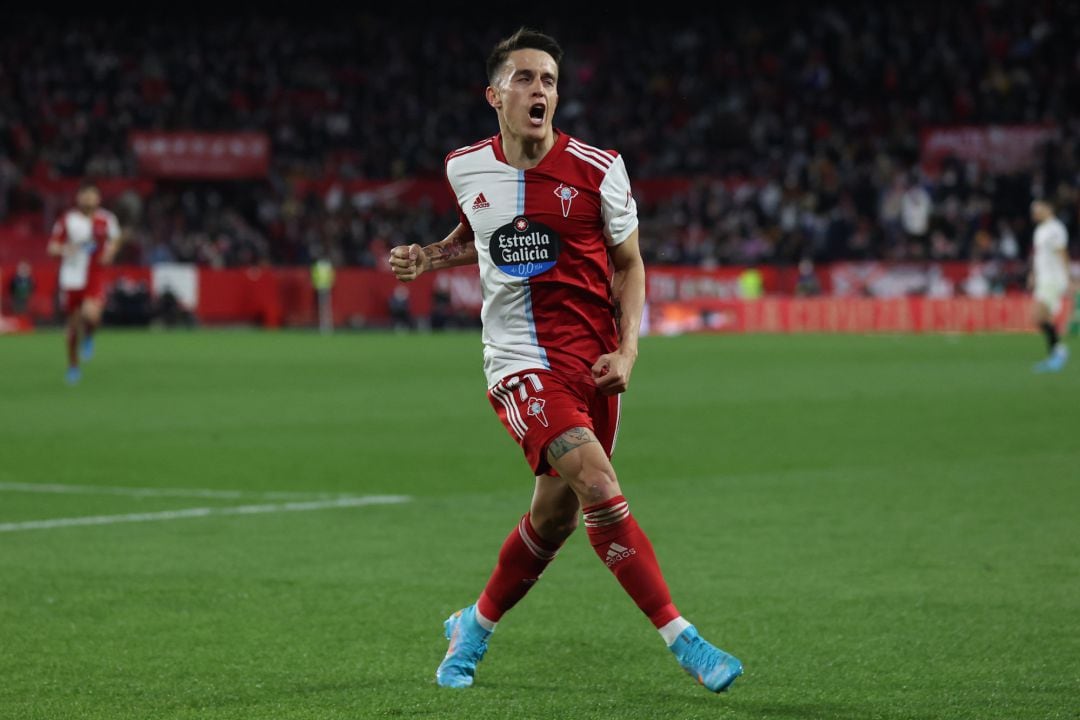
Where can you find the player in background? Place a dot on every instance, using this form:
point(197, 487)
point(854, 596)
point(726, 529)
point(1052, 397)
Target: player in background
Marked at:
point(85, 238)
point(1049, 280)
point(544, 215)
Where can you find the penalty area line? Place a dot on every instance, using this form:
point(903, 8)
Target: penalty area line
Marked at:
point(55, 488)
point(200, 512)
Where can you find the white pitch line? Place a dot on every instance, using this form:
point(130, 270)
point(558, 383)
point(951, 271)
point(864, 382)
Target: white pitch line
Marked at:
point(344, 502)
point(161, 492)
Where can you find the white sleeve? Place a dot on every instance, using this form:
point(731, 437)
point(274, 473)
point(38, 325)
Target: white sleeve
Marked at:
point(617, 204)
point(113, 226)
point(1057, 239)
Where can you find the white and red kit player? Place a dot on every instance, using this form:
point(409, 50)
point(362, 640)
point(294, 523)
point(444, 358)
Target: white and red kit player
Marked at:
point(553, 225)
point(85, 238)
point(1049, 281)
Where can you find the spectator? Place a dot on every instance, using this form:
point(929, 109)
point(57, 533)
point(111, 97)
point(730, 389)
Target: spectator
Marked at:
point(21, 288)
point(322, 281)
point(915, 208)
point(400, 315)
point(807, 283)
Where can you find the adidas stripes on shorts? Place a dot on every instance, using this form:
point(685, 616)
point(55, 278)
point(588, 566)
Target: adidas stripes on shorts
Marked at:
point(537, 406)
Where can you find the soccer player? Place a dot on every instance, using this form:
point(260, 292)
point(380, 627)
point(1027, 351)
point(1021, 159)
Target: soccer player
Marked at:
point(85, 238)
point(544, 214)
point(1049, 280)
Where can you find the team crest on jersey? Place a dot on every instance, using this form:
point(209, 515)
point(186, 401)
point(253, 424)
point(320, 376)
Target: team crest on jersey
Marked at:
point(566, 195)
point(524, 248)
point(536, 409)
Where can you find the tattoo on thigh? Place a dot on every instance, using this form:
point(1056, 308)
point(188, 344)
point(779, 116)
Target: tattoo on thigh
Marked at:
point(575, 437)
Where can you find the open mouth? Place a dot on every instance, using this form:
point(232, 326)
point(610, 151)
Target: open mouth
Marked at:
point(536, 113)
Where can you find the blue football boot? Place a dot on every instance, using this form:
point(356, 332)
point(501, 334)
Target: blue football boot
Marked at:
point(1054, 362)
point(468, 643)
point(87, 348)
point(1058, 358)
point(710, 666)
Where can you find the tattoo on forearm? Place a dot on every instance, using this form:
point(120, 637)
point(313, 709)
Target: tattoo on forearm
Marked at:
point(447, 251)
point(575, 437)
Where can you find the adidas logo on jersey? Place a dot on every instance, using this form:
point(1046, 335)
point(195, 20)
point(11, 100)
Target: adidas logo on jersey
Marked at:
point(617, 552)
point(480, 202)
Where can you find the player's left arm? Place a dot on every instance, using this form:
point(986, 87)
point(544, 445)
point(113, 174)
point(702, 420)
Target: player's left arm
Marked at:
point(612, 370)
point(112, 247)
point(112, 243)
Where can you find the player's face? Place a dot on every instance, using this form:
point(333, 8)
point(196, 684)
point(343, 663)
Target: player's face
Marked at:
point(526, 93)
point(88, 200)
point(1039, 211)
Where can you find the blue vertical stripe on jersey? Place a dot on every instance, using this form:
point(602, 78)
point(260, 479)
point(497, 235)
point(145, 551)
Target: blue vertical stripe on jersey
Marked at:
point(525, 283)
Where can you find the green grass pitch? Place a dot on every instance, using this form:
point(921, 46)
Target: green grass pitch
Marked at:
point(879, 527)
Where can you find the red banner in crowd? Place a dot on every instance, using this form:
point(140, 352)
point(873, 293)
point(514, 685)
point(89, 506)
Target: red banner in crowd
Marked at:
point(1010, 313)
point(202, 156)
point(996, 148)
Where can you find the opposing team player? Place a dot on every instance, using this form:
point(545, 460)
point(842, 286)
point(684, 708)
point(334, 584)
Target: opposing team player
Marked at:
point(1049, 280)
point(85, 238)
point(544, 214)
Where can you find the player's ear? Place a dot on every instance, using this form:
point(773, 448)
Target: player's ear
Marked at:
point(493, 97)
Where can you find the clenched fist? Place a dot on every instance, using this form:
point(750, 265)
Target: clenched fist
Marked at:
point(408, 262)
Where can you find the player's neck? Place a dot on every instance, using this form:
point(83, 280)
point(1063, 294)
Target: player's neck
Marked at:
point(526, 154)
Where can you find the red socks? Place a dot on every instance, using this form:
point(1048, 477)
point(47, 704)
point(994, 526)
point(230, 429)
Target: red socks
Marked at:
point(73, 346)
point(617, 540)
point(625, 549)
point(523, 557)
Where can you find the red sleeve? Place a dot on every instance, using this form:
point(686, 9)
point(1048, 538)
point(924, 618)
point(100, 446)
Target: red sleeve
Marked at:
point(59, 231)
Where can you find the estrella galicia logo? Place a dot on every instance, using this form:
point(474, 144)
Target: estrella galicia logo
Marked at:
point(524, 248)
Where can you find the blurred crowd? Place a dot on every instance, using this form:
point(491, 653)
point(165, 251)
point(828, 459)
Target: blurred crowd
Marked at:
point(798, 123)
point(229, 225)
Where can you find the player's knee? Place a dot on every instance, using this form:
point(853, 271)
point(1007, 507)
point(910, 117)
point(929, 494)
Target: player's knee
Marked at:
point(595, 484)
point(556, 526)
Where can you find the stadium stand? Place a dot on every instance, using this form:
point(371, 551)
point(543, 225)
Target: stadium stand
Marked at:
point(771, 133)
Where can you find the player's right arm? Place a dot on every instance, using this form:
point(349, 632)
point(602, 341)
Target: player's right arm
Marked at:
point(411, 261)
point(58, 245)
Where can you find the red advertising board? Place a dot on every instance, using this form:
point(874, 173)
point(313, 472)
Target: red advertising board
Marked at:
point(202, 156)
point(1009, 313)
point(680, 300)
point(996, 148)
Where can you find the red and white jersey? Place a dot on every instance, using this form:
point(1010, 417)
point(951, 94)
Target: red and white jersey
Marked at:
point(542, 238)
point(90, 235)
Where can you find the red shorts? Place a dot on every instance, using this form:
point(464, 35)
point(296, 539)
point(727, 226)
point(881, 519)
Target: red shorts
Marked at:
point(72, 300)
point(537, 406)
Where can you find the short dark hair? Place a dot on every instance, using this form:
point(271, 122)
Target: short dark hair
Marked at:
point(524, 38)
point(87, 184)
